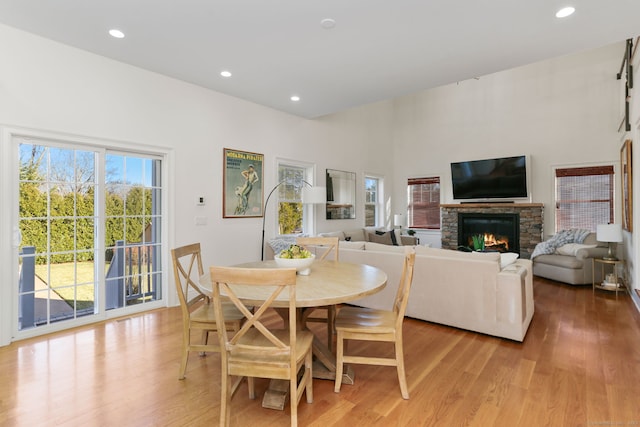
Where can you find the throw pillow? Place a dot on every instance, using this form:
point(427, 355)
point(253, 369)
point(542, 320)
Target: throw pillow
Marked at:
point(508, 258)
point(338, 234)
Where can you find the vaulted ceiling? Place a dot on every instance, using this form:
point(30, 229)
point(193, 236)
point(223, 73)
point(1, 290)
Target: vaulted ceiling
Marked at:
point(333, 54)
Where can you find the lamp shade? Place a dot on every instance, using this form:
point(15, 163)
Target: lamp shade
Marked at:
point(397, 220)
point(609, 233)
point(314, 195)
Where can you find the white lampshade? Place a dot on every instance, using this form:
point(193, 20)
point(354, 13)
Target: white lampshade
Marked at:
point(609, 233)
point(397, 220)
point(314, 195)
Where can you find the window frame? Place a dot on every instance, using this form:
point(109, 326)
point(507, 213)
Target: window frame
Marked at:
point(308, 211)
point(378, 204)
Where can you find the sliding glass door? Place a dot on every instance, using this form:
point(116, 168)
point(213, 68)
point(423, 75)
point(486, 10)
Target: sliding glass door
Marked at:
point(89, 221)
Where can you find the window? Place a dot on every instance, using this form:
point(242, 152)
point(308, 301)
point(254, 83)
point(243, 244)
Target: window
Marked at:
point(584, 197)
point(293, 216)
point(424, 202)
point(372, 201)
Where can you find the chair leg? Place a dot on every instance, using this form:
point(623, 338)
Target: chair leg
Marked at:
point(204, 340)
point(183, 363)
point(185, 353)
point(339, 361)
point(309, 386)
point(293, 398)
point(225, 399)
point(402, 377)
point(252, 388)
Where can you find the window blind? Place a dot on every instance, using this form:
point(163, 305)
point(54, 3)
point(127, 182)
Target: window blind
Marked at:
point(584, 197)
point(424, 202)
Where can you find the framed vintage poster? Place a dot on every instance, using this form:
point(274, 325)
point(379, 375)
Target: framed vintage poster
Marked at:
point(627, 186)
point(243, 191)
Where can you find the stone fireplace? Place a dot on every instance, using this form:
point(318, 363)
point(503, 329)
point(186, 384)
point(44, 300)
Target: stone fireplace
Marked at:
point(520, 223)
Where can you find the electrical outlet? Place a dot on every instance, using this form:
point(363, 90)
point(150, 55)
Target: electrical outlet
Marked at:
point(201, 220)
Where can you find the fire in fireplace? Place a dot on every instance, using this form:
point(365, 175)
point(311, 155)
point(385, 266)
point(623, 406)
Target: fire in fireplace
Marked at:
point(498, 232)
point(493, 242)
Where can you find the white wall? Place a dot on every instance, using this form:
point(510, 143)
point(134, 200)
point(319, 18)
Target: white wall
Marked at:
point(48, 86)
point(562, 111)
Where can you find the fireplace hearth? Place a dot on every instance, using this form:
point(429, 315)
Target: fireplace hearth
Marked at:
point(530, 219)
point(500, 232)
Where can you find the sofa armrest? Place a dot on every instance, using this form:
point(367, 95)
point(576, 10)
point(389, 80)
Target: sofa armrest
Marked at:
point(597, 252)
point(515, 293)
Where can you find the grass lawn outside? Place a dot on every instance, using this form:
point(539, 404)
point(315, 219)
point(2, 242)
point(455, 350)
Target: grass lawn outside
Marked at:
point(63, 282)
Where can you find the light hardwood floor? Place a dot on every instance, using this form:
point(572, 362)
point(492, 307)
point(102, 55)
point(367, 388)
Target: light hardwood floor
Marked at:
point(578, 366)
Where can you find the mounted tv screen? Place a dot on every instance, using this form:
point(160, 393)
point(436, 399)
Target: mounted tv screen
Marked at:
point(502, 178)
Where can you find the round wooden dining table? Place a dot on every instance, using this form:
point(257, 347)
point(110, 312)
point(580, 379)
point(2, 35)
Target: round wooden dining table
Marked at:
point(329, 283)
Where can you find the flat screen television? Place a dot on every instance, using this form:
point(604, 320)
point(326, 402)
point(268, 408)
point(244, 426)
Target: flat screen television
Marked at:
point(500, 178)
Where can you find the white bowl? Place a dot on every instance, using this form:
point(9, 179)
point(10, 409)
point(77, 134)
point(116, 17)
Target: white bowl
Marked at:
point(302, 265)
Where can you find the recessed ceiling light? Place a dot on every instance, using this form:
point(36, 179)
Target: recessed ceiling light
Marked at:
point(565, 11)
point(225, 73)
point(328, 23)
point(295, 98)
point(116, 33)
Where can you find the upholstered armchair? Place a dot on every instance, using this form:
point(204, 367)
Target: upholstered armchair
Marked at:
point(571, 263)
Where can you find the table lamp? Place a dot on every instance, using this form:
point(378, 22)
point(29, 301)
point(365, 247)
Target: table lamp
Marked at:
point(397, 220)
point(610, 233)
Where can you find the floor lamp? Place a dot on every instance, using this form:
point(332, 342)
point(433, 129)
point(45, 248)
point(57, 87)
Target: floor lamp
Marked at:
point(310, 196)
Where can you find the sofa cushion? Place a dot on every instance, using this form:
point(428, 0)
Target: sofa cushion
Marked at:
point(351, 245)
point(355, 235)
point(381, 247)
point(571, 249)
point(449, 253)
point(564, 261)
point(386, 238)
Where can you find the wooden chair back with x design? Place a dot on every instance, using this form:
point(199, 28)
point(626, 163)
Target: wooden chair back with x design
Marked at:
point(327, 314)
point(257, 350)
point(366, 324)
point(196, 307)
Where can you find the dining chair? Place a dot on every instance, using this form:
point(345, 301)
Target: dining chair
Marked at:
point(258, 350)
point(367, 324)
point(327, 315)
point(197, 309)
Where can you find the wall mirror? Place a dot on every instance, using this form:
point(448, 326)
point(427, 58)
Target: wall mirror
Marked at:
point(341, 194)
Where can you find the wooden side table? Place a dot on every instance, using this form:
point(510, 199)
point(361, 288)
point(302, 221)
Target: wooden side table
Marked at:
point(603, 263)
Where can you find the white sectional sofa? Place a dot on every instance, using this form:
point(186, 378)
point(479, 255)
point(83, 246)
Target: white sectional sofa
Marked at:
point(470, 291)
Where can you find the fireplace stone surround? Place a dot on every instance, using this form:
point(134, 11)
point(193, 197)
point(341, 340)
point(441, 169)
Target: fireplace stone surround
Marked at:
point(530, 214)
